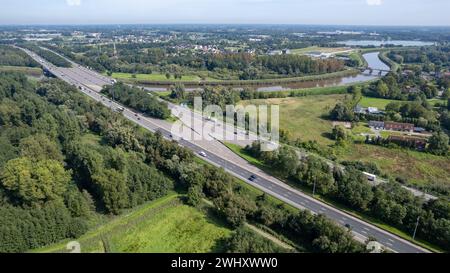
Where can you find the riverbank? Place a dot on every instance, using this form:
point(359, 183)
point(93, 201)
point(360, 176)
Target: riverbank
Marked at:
point(263, 82)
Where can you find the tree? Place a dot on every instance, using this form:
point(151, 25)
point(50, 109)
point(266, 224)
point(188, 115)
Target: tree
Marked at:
point(286, 161)
point(339, 134)
point(342, 112)
point(316, 171)
point(382, 89)
point(112, 188)
point(177, 91)
point(194, 196)
point(438, 143)
point(39, 147)
point(34, 182)
point(353, 188)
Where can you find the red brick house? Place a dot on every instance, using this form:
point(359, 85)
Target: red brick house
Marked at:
point(396, 126)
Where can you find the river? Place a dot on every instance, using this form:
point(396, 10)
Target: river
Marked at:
point(372, 59)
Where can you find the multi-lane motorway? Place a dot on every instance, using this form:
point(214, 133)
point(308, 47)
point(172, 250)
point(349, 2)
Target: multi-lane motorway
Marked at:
point(90, 83)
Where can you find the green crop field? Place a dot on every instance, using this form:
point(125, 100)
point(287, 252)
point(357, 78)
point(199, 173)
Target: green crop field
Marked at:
point(163, 226)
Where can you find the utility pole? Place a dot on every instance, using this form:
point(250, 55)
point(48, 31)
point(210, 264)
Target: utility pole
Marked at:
point(415, 230)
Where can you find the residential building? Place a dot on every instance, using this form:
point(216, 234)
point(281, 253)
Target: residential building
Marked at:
point(396, 126)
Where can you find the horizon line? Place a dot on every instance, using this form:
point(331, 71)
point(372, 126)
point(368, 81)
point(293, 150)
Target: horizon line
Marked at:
point(212, 24)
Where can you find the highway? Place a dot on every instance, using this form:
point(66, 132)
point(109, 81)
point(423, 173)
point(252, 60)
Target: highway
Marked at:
point(217, 154)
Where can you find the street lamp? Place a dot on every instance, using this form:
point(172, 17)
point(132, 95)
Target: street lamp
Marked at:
point(415, 229)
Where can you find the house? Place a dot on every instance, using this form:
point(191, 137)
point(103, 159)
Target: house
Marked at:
point(379, 125)
point(396, 126)
point(373, 110)
point(367, 111)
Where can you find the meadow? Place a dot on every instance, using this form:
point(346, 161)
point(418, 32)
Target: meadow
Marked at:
point(302, 117)
point(163, 226)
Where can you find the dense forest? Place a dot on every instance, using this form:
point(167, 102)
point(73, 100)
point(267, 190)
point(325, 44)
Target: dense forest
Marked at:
point(65, 159)
point(15, 57)
point(430, 58)
point(138, 99)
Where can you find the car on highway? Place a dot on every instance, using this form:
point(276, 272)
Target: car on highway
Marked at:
point(202, 154)
point(252, 177)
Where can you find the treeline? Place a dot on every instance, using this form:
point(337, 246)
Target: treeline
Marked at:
point(11, 56)
point(401, 87)
point(146, 59)
point(48, 55)
point(388, 202)
point(138, 99)
point(300, 65)
point(431, 58)
point(221, 95)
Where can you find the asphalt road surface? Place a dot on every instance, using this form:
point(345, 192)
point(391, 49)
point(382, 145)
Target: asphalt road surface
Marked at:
point(214, 152)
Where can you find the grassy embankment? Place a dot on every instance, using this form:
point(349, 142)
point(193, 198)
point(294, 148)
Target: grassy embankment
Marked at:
point(161, 226)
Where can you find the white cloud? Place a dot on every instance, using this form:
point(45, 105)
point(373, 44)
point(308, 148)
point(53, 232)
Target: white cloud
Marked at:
point(73, 3)
point(374, 2)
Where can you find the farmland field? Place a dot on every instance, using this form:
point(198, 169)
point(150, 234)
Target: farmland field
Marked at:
point(163, 226)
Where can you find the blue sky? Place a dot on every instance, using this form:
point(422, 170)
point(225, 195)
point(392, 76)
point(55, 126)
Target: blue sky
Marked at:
point(349, 12)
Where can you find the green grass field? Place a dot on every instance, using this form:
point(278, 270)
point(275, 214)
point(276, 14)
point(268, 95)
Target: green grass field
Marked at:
point(375, 102)
point(302, 116)
point(418, 167)
point(162, 226)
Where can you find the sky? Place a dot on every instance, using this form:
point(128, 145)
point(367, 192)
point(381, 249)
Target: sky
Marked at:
point(322, 12)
